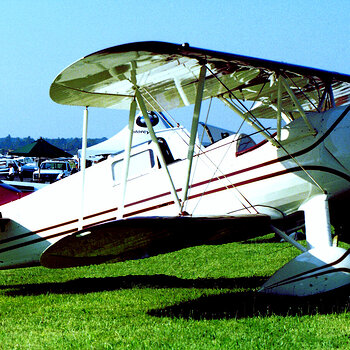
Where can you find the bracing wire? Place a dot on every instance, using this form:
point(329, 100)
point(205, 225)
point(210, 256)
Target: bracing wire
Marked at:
point(301, 91)
point(279, 143)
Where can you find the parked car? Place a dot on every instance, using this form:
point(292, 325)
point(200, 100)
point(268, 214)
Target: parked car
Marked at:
point(28, 169)
point(5, 165)
point(53, 170)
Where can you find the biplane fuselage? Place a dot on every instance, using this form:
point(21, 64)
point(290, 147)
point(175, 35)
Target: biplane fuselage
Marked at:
point(93, 214)
point(263, 173)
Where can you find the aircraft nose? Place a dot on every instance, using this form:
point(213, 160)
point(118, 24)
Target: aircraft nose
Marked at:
point(337, 134)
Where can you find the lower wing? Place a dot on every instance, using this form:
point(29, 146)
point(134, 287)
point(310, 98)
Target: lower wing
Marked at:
point(141, 237)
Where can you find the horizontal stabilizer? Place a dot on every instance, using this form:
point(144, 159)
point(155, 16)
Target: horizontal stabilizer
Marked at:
point(141, 237)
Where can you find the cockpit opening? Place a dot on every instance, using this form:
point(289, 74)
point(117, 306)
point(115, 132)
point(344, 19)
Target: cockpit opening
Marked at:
point(209, 134)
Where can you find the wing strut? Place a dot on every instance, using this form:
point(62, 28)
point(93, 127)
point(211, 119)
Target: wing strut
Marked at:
point(127, 157)
point(248, 120)
point(143, 109)
point(83, 165)
point(297, 104)
point(328, 91)
point(194, 128)
point(279, 109)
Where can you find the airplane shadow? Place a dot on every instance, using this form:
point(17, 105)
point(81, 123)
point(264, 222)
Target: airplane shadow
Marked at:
point(159, 281)
point(246, 304)
point(235, 304)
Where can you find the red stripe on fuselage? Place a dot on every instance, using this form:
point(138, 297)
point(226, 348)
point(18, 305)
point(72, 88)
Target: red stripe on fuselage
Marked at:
point(221, 177)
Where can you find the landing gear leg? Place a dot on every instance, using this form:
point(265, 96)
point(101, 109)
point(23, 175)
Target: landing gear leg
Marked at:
point(317, 222)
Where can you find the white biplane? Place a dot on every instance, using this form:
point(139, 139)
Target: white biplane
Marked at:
point(171, 189)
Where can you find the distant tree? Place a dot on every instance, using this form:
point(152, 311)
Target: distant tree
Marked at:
point(70, 145)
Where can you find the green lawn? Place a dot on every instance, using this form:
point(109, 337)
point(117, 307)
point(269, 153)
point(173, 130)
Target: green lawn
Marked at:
point(198, 298)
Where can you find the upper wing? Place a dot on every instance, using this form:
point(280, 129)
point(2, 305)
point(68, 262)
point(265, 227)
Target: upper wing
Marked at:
point(168, 73)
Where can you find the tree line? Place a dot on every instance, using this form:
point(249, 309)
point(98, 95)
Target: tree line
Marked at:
point(70, 145)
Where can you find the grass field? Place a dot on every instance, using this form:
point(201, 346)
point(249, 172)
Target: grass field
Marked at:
point(198, 298)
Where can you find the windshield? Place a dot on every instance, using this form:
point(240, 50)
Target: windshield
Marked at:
point(53, 166)
point(209, 134)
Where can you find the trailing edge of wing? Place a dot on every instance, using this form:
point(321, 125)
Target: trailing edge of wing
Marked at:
point(141, 237)
point(169, 73)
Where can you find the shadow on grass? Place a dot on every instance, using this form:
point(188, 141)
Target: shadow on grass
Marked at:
point(91, 285)
point(235, 304)
point(252, 304)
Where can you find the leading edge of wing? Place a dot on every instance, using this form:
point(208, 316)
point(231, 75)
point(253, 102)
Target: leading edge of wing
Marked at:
point(203, 55)
point(166, 71)
point(141, 237)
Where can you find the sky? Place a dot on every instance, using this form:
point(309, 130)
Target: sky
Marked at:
point(39, 38)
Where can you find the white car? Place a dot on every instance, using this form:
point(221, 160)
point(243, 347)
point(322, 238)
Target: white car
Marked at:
point(53, 170)
point(5, 164)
